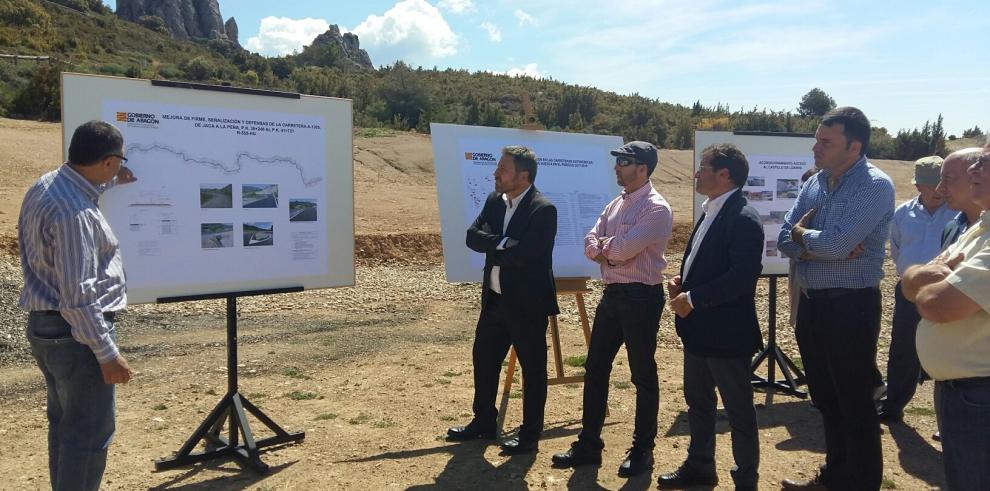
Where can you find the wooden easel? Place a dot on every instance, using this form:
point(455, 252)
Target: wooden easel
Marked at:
point(565, 286)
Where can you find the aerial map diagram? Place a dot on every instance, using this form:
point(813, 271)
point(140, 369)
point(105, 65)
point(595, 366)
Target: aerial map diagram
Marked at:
point(218, 189)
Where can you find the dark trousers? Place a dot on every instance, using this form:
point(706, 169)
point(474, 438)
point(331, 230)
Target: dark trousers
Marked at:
point(628, 313)
point(903, 367)
point(500, 326)
point(965, 414)
point(837, 337)
point(80, 405)
point(732, 378)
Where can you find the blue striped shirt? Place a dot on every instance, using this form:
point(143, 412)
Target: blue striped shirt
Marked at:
point(70, 258)
point(858, 211)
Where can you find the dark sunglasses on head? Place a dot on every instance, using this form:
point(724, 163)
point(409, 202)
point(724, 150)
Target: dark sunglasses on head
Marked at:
point(625, 161)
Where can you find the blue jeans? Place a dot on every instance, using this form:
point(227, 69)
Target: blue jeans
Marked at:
point(965, 415)
point(80, 404)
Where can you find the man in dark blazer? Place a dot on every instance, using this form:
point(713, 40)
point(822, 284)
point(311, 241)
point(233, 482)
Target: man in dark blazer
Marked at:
point(515, 231)
point(713, 298)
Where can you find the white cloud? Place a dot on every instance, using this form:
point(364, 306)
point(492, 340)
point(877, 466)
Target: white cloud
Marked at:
point(530, 70)
point(457, 6)
point(494, 33)
point(525, 18)
point(412, 31)
point(279, 36)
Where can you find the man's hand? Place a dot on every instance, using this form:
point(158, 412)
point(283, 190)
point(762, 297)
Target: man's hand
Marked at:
point(680, 305)
point(600, 258)
point(674, 286)
point(797, 231)
point(116, 371)
point(856, 252)
point(125, 176)
point(920, 276)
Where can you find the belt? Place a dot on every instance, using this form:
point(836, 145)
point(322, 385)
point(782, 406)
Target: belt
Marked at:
point(836, 292)
point(960, 383)
point(631, 286)
point(107, 316)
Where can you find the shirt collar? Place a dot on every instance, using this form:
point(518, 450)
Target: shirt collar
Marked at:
point(643, 190)
point(512, 203)
point(860, 165)
point(713, 206)
point(76, 178)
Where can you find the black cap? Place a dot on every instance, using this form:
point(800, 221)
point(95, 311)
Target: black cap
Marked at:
point(643, 152)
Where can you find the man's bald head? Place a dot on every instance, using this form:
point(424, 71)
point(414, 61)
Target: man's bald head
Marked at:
point(954, 182)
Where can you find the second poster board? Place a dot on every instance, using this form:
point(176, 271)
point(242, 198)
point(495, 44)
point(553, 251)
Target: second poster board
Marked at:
point(776, 162)
point(575, 172)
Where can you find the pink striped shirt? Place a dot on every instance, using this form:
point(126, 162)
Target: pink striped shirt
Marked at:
point(632, 233)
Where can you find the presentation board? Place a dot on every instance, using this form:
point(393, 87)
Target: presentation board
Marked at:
point(574, 171)
point(236, 191)
point(776, 163)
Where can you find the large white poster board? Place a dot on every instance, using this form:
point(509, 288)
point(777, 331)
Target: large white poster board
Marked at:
point(575, 172)
point(235, 192)
point(776, 163)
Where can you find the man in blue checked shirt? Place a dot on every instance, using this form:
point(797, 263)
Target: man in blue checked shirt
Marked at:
point(73, 285)
point(836, 232)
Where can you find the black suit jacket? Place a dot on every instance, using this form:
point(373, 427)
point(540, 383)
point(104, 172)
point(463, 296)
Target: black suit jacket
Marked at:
point(526, 274)
point(722, 283)
point(953, 229)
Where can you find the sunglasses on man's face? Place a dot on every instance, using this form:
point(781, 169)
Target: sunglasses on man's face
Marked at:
point(123, 159)
point(625, 161)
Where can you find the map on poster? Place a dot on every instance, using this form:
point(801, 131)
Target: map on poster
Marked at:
point(229, 197)
point(239, 191)
point(776, 163)
point(574, 171)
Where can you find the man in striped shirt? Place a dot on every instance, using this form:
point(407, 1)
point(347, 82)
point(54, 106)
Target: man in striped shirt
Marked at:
point(848, 205)
point(73, 285)
point(628, 241)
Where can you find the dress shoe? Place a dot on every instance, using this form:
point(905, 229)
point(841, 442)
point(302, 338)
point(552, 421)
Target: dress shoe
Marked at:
point(814, 484)
point(686, 476)
point(579, 454)
point(637, 461)
point(472, 431)
point(517, 445)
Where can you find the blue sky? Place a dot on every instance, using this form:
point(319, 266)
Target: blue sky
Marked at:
point(902, 62)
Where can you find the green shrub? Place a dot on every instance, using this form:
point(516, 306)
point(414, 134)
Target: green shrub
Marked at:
point(22, 13)
point(199, 68)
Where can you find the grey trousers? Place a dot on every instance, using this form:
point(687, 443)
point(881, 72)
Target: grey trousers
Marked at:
point(702, 375)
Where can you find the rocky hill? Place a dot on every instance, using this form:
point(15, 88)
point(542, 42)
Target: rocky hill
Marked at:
point(184, 19)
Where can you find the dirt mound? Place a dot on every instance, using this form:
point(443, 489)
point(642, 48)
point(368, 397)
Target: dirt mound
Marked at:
point(404, 248)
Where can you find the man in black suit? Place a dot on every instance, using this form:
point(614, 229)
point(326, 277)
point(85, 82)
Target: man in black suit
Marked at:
point(713, 298)
point(515, 231)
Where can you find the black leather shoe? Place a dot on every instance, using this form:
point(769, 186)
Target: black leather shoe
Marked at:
point(579, 454)
point(686, 476)
point(472, 431)
point(637, 461)
point(517, 445)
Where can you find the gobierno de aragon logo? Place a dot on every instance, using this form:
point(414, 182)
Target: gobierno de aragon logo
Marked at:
point(138, 120)
point(479, 156)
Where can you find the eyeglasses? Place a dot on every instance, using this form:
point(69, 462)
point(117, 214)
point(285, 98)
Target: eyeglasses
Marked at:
point(625, 161)
point(123, 159)
point(979, 165)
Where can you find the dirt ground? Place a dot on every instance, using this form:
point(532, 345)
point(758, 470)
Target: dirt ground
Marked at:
point(375, 373)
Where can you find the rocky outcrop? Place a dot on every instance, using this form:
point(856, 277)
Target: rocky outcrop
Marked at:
point(348, 44)
point(230, 27)
point(185, 19)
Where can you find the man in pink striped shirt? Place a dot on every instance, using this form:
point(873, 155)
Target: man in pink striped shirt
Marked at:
point(628, 241)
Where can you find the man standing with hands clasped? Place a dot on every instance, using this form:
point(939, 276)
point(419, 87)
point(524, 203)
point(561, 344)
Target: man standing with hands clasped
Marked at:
point(628, 241)
point(836, 231)
point(73, 286)
point(714, 300)
point(515, 231)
